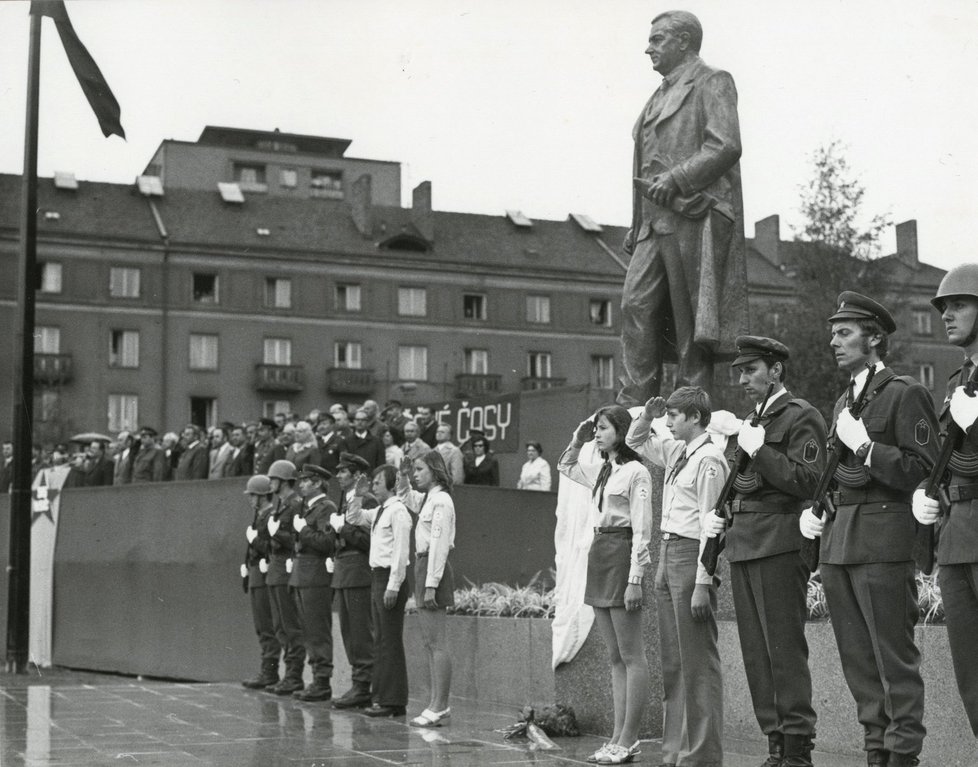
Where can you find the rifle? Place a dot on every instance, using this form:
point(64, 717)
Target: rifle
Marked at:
point(821, 505)
point(245, 578)
point(923, 553)
point(711, 553)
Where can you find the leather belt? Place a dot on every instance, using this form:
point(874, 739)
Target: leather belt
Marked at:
point(674, 537)
point(852, 496)
point(957, 493)
point(612, 530)
point(770, 508)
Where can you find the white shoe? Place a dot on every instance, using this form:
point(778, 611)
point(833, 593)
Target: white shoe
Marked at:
point(619, 754)
point(596, 756)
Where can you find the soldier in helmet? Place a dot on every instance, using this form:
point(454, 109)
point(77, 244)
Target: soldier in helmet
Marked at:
point(259, 492)
point(867, 544)
point(957, 550)
point(285, 615)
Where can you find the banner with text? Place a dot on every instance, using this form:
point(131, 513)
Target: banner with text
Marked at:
point(496, 417)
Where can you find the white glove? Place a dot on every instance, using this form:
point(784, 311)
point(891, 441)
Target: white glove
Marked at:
point(273, 526)
point(851, 430)
point(244, 571)
point(263, 565)
point(964, 409)
point(337, 522)
point(299, 523)
point(251, 534)
point(288, 565)
point(750, 438)
point(330, 565)
point(810, 525)
point(925, 510)
point(714, 525)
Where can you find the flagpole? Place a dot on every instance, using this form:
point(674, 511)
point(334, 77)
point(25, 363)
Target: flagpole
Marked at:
point(19, 571)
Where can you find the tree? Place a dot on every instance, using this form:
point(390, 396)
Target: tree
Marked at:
point(832, 252)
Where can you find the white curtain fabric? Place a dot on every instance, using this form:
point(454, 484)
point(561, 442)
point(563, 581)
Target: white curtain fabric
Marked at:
point(45, 504)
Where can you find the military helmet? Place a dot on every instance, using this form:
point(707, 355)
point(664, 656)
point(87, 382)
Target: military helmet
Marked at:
point(282, 469)
point(258, 485)
point(960, 281)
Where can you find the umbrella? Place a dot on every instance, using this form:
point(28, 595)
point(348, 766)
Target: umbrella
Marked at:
point(90, 436)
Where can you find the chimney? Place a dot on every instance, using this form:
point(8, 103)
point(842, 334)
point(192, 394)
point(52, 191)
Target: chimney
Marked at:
point(767, 238)
point(360, 202)
point(421, 215)
point(906, 237)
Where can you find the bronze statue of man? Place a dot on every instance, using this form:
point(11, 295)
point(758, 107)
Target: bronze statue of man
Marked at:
point(685, 293)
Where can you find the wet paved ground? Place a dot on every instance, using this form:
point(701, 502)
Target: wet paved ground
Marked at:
point(70, 718)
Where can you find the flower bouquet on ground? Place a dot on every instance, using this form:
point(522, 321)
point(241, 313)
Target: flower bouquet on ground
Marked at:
point(537, 727)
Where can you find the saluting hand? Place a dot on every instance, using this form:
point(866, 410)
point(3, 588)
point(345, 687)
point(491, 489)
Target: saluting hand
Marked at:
point(655, 408)
point(584, 432)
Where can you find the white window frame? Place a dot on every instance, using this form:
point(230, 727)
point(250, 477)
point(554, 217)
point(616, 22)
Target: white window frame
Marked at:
point(123, 412)
point(125, 353)
point(477, 361)
point(925, 374)
point(412, 301)
point(288, 178)
point(482, 310)
point(603, 371)
point(216, 298)
point(124, 282)
point(595, 307)
point(277, 351)
point(47, 339)
point(922, 322)
point(412, 363)
point(539, 365)
point(278, 292)
point(204, 351)
point(272, 406)
point(349, 297)
point(538, 309)
point(348, 355)
point(52, 275)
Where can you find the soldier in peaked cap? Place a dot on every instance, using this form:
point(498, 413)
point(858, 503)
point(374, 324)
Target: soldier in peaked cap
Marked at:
point(867, 544)
point(769, 580)
point(314, 543)
point(957, 550)
point(267, 448)
point(352, 578)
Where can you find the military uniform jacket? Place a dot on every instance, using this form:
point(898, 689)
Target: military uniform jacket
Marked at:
point(958, 531)
point(280, 545)
point(266, 453)
point(149, 465)
point(259, 548)
point(352, 560)
point(313, 545)
point(771, 493)
point(879, 527)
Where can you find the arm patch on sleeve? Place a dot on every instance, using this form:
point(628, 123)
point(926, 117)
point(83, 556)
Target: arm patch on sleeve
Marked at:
point(921, 433)
point(810, 453)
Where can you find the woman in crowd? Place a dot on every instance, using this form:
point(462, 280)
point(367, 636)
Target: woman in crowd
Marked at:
point(481, 468)
point(434, 588)
point(621, 514)
point(535, 474)
point(393, 454)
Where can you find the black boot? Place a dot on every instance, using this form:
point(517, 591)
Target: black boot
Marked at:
point(775, 746)
point(266, 678)
point(293, 678)
point(876, 758)
point(355, 697)
point(797, 751)
point(902, 760)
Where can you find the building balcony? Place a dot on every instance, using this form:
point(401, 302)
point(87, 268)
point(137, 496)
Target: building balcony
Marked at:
point(52, 369)
point(477, 384)
point(533, 383)
point(278, 378)
point(349, 381)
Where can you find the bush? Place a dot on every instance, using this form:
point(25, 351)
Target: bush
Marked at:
point(928, 599)
point(498, 600)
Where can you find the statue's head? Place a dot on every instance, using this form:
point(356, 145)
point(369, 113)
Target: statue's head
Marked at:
point(674, 36)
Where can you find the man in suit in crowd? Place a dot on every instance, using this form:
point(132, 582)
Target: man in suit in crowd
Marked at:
point(364, 444)
point(242, 458)
point(123, 458)
point(99, 469)
point(193, 463)
point(685, 294)
point(149, 465)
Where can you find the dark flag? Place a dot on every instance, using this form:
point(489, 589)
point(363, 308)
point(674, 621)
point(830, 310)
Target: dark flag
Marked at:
point(89, 76)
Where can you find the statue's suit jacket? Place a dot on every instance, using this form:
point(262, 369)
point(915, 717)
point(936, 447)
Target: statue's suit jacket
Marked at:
point(691, 130)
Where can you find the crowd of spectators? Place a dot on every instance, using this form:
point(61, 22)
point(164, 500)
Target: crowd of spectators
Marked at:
point(229, 449)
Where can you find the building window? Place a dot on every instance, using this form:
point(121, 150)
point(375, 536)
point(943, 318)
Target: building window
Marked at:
point(47, 340)
point(474, 306)
point(921, 322)
point(538, 364)
point(412, 302)
point(600, 312)
point(205, 288)
point(250, 177)
point(348, 297)
point(326, 183)
point(477, 361)
point(270, 407)
point(203, 351)
point(123, 282)
point(49, 277)
point(278, 351)
point(124, 349)
point(288, 178)
point(203, 411)
point(347, 354)
point(123, 412)
point(412, 363)
point(538, 309)
point(47, 405)
point(278, 293)
point(925, 374)
point(603, 372)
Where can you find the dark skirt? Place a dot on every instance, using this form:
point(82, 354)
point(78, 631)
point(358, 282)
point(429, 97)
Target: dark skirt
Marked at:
point(444, 594)
point(608, 563)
